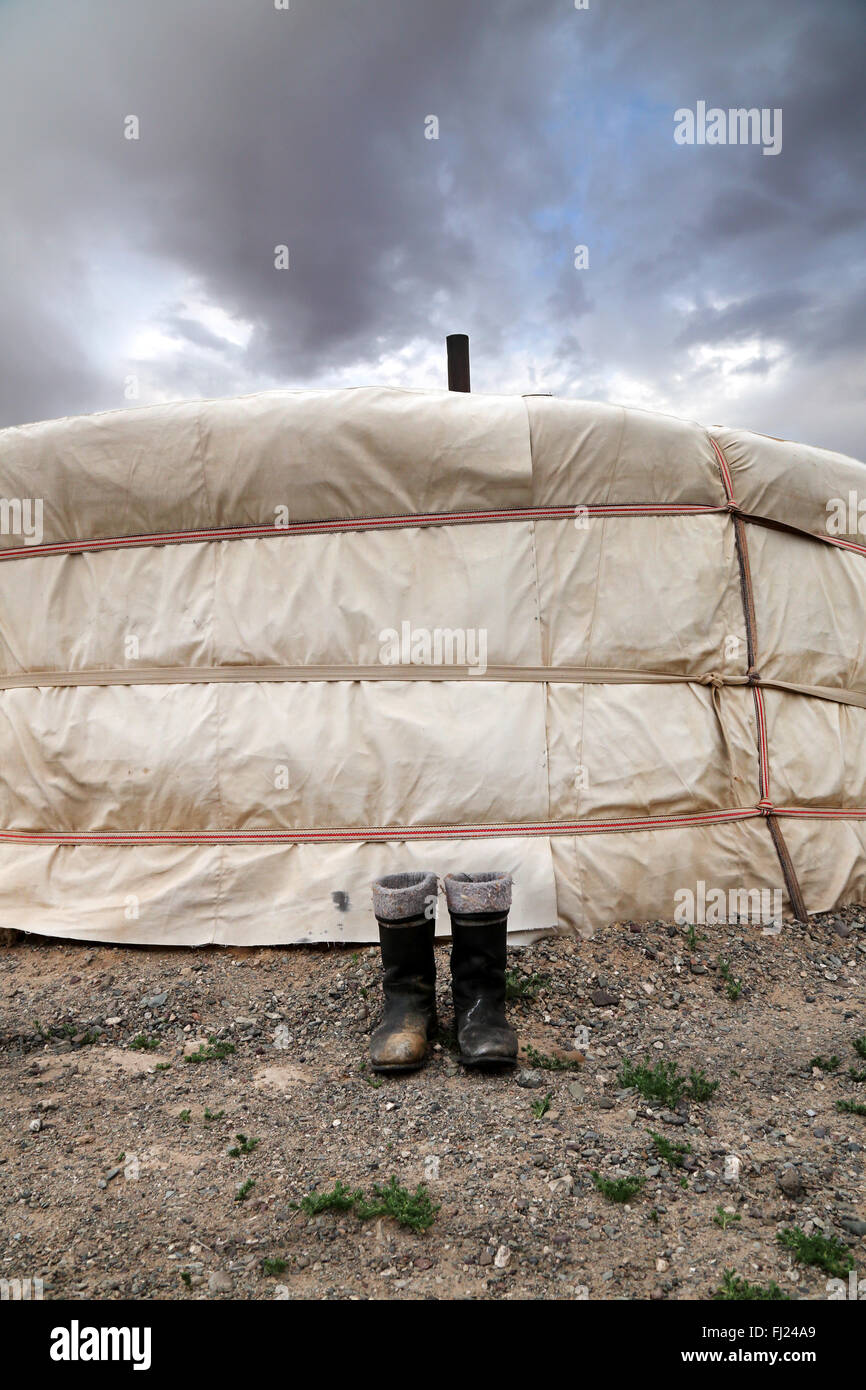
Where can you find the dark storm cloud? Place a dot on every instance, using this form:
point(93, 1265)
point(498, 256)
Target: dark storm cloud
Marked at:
point(306, 127)
point(772, 312)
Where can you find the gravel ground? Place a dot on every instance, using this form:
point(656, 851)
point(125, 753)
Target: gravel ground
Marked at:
point(117, 1181)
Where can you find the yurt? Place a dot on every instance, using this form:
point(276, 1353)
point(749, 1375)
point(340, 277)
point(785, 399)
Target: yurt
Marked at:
point(256, 652)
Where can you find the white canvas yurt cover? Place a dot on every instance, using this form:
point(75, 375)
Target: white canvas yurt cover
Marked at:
point(256, 652)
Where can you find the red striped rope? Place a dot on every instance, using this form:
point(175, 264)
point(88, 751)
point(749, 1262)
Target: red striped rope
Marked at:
point(725, 471)
point(422, 832)
point(763, 749)
point(304, 528)
point(426, 832)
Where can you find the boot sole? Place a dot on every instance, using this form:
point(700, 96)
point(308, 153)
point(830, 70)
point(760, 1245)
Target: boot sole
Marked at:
point(487, 1063)
point(389, 1071)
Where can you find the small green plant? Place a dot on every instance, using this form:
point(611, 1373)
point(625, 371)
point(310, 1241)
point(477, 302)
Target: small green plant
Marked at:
point(661, 1082)
point(185, 1116)
point(856, 1075)
point(412, 1209)
point(186, 1277)
point(664, 1083)
point(543, 1062)
point(245, 1189)
point(673, 1154)
point(825, 1063)
point(693, 937)
point(244, 1146)
point(654, 1216)
point(274, 1266)
point(541, 1107)
point(699, 1086)
point(340, 1198)
point(733, 986)
point(216, 1052)
point(725, 1218)
point(163, 1066)
point(617, 1189)
point(859, 1045)
point(213, 1114)
point(69, 1031)
point(142, 1043)
point(850, 1107)
point(826, 1252)
point(525, 987)
point(734, 1288)
point(374, 1081)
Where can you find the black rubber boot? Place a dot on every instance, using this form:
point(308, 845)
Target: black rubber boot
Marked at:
point(479, 905)
point(405, 908)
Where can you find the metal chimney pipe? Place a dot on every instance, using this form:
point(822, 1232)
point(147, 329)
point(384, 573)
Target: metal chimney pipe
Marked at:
point(457, 345)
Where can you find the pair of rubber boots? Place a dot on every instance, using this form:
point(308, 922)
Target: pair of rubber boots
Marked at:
point(405, 908)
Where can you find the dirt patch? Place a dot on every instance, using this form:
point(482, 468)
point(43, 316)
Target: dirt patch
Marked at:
point(281, 1078)
point(104, 1060)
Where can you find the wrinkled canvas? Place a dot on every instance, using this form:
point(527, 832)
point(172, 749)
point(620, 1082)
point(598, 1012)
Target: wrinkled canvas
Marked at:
point(207, 734)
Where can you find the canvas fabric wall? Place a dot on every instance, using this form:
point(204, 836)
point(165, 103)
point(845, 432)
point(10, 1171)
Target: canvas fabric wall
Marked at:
point(205, 736)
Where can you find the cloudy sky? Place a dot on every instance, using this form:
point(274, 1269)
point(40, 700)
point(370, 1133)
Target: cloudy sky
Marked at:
point(722, 284)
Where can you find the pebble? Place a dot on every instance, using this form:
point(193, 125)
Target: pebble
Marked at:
point(531, 1079)
point(792, 1184)
point(563, 1186)
point(220, 1282)
point(603, 998)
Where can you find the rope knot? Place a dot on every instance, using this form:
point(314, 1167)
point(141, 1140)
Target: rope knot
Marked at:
point(712, 678)
point(765, 806)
